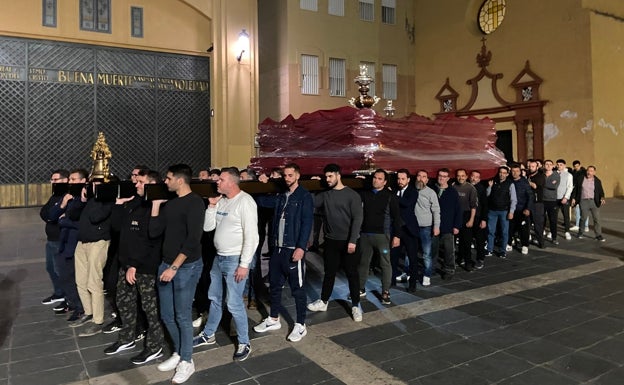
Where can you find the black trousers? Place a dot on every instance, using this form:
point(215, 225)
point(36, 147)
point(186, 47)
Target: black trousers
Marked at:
point(519, 224)
point(335, 257)
point(537, 216)
point(551, 209)
point(464, 253)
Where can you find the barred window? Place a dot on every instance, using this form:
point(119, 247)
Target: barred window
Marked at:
point(370, 70)
point(95, 15)
point(336, 7)
point(337, 75)
point(309, 5)
point(367, 10)
point(49, 13)
point(136, 21)
point(309, 75)
point(388, 11)
point(389, 75)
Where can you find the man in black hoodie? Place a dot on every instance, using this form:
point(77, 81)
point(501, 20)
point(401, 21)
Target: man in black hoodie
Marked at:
point(53, 233)
point(139, 257)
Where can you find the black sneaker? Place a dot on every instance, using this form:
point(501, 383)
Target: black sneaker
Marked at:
point(488, 254)
point(61, 309)
point(112, 327)
point(600, 238)
point(119, 347)
point(146, 356)
point(52, 299)
point(479, 265)
point(242, 353)
point(61, 306)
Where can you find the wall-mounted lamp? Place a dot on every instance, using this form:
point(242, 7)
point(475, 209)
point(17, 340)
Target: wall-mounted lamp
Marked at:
point(242, 45)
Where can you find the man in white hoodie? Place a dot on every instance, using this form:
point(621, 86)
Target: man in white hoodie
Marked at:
point(564, 190)
point(234, 217)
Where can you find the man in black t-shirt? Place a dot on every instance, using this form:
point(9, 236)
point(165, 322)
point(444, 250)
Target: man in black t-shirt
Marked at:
point(181, 222)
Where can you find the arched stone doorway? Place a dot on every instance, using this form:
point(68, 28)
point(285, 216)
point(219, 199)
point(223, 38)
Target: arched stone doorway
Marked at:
point(526, 112)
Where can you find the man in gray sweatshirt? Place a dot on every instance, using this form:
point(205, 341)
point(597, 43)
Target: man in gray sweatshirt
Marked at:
point(428, 215)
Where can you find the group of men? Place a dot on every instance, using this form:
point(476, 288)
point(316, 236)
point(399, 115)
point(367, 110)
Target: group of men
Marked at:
point(159, 244)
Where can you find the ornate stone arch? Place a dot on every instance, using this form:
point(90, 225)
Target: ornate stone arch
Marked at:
point(526, 112)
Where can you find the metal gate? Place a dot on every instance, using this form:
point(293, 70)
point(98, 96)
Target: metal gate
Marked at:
point(154, 109)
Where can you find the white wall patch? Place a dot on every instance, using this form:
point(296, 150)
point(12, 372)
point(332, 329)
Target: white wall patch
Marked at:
point(550, 131)
point(567, 114)
point(605, 124)
point(588, 126)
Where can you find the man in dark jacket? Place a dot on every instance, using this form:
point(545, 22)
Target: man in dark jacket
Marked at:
point(139, 258)
point(381, 230)
point(68, 214)
point(293, 213)
point(53, 232)
point(480, 223)
point(522, 215)
point(537, 180)
point(502, 203)
point(450, 223)
point(407, 196)
point(589, 194)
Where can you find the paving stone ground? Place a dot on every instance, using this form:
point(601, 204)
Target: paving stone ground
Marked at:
point(553, 317)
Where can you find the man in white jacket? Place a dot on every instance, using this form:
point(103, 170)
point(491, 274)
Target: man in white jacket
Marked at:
point(233, 216)
point(564, 190)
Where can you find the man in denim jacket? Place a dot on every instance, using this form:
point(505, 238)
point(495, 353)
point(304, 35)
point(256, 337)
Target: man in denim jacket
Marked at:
point(292, 224)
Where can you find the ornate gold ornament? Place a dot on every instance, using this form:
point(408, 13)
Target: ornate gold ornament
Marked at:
point(101, 156)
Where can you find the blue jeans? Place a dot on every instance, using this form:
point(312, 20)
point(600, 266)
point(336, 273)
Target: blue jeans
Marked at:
point(493, 218)
point(222, 271)
point(577, 215)
point(51, 250)
point(176, 300)
point(425, 243)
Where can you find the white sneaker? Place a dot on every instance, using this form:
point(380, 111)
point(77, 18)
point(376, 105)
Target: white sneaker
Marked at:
point(508, 248)
point(198, 322)
point(549, 236)
point(525, 250)
point(299, 331)
point(184, 370)
point(317, 305)
point(357, 313)
point(586, 229)
point(170, 363)
point(568, 236)
point(574, 229)
point(426, 281)
point(268, 324)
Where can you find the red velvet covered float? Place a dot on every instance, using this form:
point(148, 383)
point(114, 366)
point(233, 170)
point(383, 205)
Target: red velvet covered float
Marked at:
point(359, 140)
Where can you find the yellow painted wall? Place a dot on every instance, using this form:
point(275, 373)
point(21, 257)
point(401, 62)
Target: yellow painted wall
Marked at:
point(295, 32)
point(169, 26)
point(607, 136)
